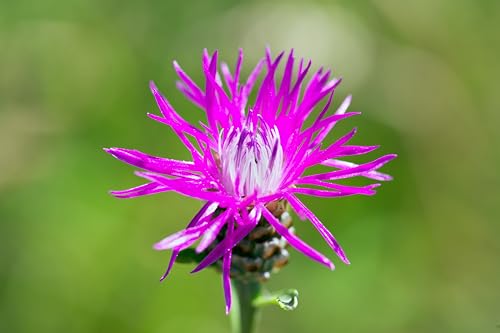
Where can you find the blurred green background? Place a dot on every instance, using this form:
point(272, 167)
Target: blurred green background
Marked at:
point(74, 78)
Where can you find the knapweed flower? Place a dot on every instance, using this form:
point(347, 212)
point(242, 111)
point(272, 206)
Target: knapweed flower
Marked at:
point(248, 157)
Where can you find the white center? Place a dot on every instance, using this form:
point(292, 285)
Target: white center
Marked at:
point(251, 161)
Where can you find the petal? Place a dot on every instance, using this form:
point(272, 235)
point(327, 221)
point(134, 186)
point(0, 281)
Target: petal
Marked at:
point(246, 89)
point(339, 164)
point(180, 125)
point(320, 156)
point(173, 119)
point(344, 106)
point(189, 83)
point(359, 170)
point(190, 188)
point(309, 102)
point(325, 233)
point(226, 267)
point(320, 193)
point(352, 150)
point(296, 242)
point(232, 83)
point(198, 101)
point(212, 232)
point(145, 189)
point(182, 239)
point(151, 163)
point(364, 190)
point(328, 124)
point(173, 257)
point(240, 233)
point(218, 251)
point(193, 222)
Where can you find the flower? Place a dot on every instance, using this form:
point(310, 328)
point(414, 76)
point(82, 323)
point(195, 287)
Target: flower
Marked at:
point(245, 158)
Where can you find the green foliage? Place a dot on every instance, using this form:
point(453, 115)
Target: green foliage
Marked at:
point(74, 78)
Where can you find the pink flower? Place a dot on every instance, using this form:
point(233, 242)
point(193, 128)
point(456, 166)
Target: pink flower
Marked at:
point(246, 157)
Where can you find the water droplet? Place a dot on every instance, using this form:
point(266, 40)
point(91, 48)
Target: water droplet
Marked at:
point(289, 300)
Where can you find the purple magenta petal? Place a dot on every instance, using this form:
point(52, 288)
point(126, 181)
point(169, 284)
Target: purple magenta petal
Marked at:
point(141, 190)
point(237, 70)
point(248, 86)
point(228, 78)
point(318, 157)
point(240, 233)
point(233, 82)
point(226, 267)
point(211, 233)
point(202, 212)
point(352, 150)
point(173, 257)
point(296, 242)
point(355, 171)
point(179, 124)
point(198, 101)
point(365, 190)
point(325, 233)
point(347, 165)
point(182, 239)
point(189, 83)
point(151, 163)
point(218, 251)
point(321, 193)
point(172, 118)
point(327, 124)
point(190, 188)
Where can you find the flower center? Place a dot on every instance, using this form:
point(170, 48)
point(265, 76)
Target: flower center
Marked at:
point(251, 161)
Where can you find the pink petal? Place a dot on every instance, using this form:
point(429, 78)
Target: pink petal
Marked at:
point(296, 242)
point(325, 233)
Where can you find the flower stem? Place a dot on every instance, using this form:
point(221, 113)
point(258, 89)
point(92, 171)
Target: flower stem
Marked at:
point(244, 313)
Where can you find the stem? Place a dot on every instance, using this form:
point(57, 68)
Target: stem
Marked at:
point(244, 313)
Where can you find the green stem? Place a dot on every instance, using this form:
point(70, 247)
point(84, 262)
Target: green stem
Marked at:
point(244, 313)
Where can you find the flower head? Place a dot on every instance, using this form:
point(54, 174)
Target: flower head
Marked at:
point(247, 157)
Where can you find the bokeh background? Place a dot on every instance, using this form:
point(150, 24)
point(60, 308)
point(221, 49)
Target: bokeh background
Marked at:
point(74, 78)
